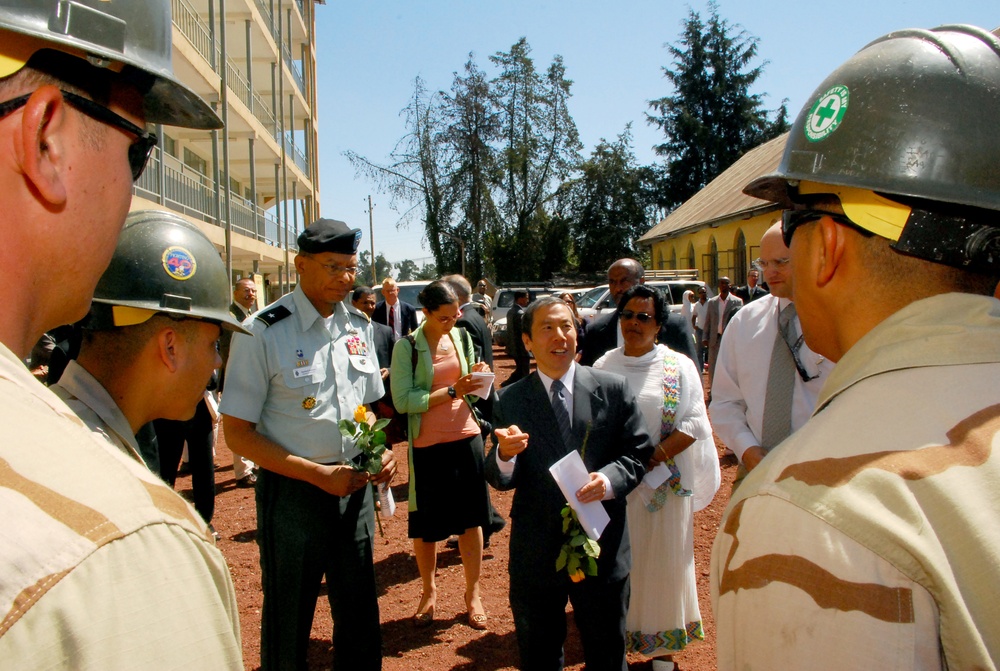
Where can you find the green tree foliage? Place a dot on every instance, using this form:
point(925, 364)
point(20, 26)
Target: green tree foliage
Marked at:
point(481, 163)
point(407, 271)
point(429, 271)
point(712, 118)
point(383, 269)
point(607, 205)
point(539, 147)
point(472, 126)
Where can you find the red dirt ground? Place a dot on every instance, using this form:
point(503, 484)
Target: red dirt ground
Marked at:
point(449, 643)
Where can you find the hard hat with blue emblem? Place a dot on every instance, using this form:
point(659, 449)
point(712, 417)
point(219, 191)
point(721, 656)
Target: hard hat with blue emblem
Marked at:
point(162, 265)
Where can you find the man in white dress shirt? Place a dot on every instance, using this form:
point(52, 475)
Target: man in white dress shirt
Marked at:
point(740, 388)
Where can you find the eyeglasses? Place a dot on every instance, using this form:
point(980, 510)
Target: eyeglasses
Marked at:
point(138, 151)
point(642, 317)
point(333, 268)
point(777, 264)
point(792, 219)
point(803, 373)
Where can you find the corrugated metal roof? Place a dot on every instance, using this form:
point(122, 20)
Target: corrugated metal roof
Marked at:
point(723, 199)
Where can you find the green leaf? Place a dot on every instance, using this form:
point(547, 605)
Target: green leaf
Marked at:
point(591, 567)
point(347, 428)
point(577, 541)
point(378, 438)
point(561, 560)
point(381, 424)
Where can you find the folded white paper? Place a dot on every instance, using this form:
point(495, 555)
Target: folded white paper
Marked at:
point(484, 382)
point(570, 473)
point(654, 478)
point(387, 502)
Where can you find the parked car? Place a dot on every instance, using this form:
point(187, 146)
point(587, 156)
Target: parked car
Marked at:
point(599, 300)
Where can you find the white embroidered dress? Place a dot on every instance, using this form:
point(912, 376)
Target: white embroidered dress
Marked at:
point(663, 611)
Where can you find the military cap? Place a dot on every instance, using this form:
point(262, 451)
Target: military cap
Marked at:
point(329, 235)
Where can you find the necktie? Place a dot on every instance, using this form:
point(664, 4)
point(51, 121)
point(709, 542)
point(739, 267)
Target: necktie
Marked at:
point(392, 319)
point(560, 406)
point(777, 422)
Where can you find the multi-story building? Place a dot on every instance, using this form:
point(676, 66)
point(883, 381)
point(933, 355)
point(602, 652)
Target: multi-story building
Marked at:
point(254, 185)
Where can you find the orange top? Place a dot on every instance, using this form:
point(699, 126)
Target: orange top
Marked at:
point(446, 422)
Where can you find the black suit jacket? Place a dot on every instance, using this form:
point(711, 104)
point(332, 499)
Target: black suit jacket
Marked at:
point(474, 323)
point(407, 314)
point(618, 446)
point(602, 336)
point(516, 346)
point(748, 294)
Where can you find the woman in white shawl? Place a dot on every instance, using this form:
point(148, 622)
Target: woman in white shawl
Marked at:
point(682, 477)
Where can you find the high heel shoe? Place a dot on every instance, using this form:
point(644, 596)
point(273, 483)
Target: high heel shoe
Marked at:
point(425, 617)
point(476, 620)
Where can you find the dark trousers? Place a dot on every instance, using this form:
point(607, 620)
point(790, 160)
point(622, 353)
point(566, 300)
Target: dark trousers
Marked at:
point(200, 436)
point(305, 533)
point(599, 610)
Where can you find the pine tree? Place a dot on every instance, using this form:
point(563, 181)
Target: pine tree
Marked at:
point(712, 118)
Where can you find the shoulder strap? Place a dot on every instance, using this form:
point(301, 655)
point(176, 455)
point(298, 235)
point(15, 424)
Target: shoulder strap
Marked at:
point(274, 315)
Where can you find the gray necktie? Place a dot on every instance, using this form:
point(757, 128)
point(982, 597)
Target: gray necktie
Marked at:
point(560, 406)
point(777, 423)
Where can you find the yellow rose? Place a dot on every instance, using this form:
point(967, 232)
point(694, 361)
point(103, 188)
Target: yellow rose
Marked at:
point(360, 414)
point(577, 575)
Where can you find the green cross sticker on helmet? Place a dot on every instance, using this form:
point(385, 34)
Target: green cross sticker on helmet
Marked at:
point(826, 113)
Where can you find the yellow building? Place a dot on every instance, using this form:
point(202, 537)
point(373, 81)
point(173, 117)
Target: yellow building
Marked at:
point(252, 186)
point(718, 230)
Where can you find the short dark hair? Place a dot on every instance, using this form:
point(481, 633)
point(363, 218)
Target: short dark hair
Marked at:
point(436, 294)
point(645, 291)
point(521, 293)
point(361, 291)
point(545, 301)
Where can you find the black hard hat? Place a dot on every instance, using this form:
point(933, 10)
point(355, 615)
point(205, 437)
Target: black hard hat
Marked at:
point(904, 134)
point(162, 264)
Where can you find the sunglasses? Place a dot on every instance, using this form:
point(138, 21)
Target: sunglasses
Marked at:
point(792, 219)
point(138, 151)
point(642, 317)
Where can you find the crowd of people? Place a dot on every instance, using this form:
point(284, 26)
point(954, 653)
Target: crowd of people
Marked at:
point(859, 396)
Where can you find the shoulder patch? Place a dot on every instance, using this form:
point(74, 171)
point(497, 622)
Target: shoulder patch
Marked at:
point(273, 315)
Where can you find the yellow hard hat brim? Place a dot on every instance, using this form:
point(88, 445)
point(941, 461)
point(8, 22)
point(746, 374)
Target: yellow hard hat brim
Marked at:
point(872, 212)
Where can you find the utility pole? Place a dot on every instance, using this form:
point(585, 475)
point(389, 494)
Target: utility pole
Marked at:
point(371, 236)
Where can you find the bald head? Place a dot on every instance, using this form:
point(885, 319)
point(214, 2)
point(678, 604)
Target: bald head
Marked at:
point(774, 260)
point(623, 275)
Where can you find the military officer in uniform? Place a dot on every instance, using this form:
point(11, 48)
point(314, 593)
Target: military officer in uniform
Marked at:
point(310, 363)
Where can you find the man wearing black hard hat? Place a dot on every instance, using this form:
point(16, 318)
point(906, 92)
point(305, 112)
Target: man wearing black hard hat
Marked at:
point(870, 538)
point(87, 534)
point(310, 364)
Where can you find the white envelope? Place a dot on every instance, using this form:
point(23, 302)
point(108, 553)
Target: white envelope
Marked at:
point(570, 473)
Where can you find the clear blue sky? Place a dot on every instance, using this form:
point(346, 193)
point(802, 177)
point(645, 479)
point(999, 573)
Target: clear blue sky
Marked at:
point(369, 53)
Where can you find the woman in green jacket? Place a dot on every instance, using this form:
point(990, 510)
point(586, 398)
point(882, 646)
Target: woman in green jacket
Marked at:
point(448, 491)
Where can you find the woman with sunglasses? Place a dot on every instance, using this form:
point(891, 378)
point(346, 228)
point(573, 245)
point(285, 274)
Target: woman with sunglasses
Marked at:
point(682, 477)
point(431, 381)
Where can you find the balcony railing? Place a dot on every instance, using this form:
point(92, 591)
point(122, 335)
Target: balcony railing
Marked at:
point(198, 34)
point(297, 155)
point(188, 191)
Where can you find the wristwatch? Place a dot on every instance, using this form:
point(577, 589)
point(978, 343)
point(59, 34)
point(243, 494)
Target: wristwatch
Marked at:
point(451, 392)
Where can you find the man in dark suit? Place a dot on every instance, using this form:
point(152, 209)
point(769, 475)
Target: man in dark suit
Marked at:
point(603, 334)
point(482, 339)
point(522, 361)
point(752, 290)
point(560, 408)
point(398, 315)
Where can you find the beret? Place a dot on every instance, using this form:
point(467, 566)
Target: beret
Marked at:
point(329, 235)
